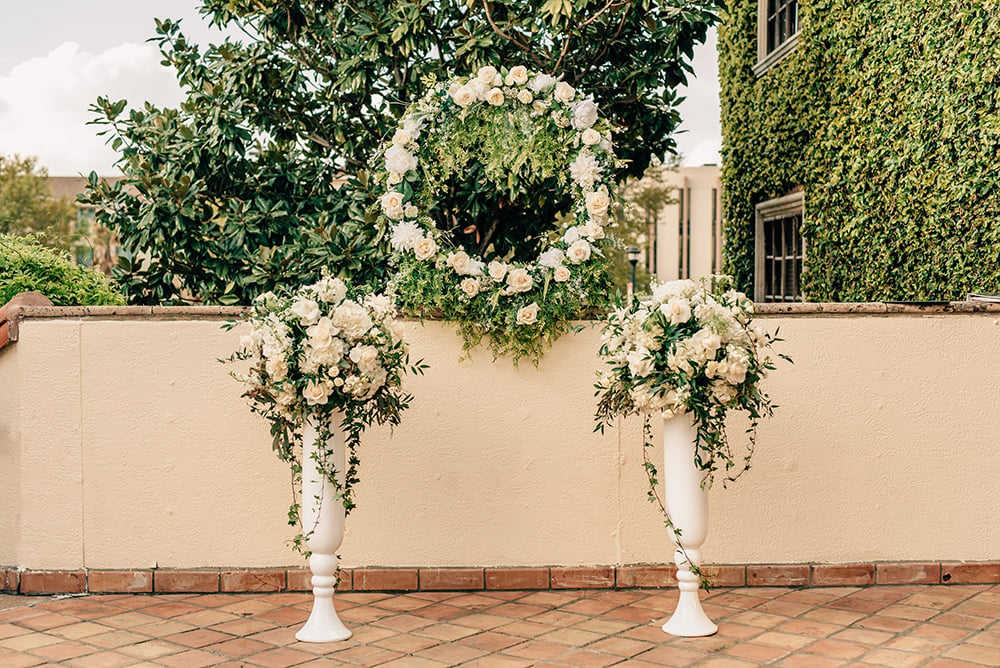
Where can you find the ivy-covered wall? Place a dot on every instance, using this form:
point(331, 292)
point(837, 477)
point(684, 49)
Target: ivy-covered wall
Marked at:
point(887, 115)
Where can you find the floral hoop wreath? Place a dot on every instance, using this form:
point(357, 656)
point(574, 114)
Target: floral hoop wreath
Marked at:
point(521, 307)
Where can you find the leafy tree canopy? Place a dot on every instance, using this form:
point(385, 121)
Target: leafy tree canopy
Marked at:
point(261, 176)
point(27, 205)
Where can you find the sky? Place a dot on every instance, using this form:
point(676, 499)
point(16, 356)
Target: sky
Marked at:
point(58, 56)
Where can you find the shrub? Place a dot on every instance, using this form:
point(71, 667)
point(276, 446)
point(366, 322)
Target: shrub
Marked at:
point(26, 265)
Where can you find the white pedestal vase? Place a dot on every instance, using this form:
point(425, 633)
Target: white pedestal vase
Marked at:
point(322, 515)
point(687, 504)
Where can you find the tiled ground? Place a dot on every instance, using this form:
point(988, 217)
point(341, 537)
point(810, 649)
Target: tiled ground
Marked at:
point(896, 627)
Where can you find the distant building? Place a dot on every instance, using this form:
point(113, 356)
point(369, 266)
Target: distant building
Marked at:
point(688, 234)
point(96, 246)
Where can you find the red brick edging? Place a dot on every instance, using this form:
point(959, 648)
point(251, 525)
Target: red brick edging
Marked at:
point(164, 581)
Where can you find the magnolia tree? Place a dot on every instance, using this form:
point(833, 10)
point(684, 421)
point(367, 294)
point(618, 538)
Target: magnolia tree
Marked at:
point(261, 176)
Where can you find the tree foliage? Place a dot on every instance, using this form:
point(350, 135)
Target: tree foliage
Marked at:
point(235, 190)
point(28, 266)
point(28, 207)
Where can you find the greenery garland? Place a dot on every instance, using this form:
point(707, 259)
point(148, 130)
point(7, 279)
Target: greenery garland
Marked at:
point(519, 127)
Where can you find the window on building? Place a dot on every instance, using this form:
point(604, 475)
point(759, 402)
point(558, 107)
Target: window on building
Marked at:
point(779, 250)
point(777, 32)
point(684, 236)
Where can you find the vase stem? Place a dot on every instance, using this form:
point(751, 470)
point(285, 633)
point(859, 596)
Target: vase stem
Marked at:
point(323, 525)
point(687, 506)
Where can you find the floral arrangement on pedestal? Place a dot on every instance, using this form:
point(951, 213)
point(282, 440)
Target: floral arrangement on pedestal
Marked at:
point(690, 348)
point(519, 126)
point(330, 354)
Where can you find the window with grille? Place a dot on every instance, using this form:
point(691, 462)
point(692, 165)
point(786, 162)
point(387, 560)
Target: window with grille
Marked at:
point(779, 250)
point(777, 32)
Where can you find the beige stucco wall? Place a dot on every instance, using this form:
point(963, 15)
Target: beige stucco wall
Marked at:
point(124, 444)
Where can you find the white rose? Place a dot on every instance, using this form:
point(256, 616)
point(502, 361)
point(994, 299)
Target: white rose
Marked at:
point(316, 392)
point(392, 204)
point(470, 286)
point(321, 334)
point(539, 106)
point(593, 230)
point(527, 315)
point(678, 310)
point(464, 96)
point(458, 261)
point(394, 178)
point(410, 211)
point(571, 236)
point(590, 136)
point(497, 270)
point(639, 363)
point(524, 96)
point(352, 319)
point(487, 73)
point(542, 82)
point(561, 274)
point(578, 252)
point(508, 80)
point(425, 248)
point(276, 368)
point(551, 258)
point(519, 280)
point(564, 92)
point(479, 88)
point(584, 114)
point(495, 97)
point(398, 159)
point(366, 357)
point(519, 73)
point(401, 137)
point(307, 310)
point(597, 202)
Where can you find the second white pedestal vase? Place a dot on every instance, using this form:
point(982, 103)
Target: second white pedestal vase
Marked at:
point(687, 505)
point(323, 524)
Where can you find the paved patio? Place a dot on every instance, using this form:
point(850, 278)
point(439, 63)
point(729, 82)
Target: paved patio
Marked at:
point(938, 626)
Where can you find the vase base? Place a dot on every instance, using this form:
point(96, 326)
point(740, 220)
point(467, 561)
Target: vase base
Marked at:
point(690, 623)
point(322, 635)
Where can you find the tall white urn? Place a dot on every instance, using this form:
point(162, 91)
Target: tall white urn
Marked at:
point(687, 504)
point(323, 524)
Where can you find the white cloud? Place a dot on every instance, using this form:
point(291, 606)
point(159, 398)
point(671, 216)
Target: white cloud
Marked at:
point(44, 102)
point(699, 137)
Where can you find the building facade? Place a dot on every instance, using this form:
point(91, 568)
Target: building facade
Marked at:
point(688, 233)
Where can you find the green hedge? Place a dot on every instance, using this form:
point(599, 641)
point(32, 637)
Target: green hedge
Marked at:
point(887, 114)
point(26, 265)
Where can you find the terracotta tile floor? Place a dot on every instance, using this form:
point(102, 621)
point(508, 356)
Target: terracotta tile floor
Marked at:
point(893, 627)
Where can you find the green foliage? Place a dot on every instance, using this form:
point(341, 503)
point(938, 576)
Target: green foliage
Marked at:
point(886, 114)
point(234, 192)
point(26, 265)
point(27, 206)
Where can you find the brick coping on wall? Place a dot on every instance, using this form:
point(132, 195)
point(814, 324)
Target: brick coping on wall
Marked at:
point(162, 581)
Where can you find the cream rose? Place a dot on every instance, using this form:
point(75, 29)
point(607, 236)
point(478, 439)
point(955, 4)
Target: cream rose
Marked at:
point(401, 137)
point(487, 73)
point(519, 280)
point(464, 96)
point(321, 334)
point(590, 136)
point(561, 274)
point(519, 73)
point(525, 96)
point(316, 393)
point(392, 204)
point(366, 357)
point(597, 202)
point(425, 248)
point(497, 270)
point(495, 97)
point(307, 310)
point(564, 92)
point(398, 159)
point(458, 261)
point(410, 211)
point(394, 178)
point(527, 315)
point(593, 230)
point(276, 368)
point(578, 252)
point(470, 286)
point(584, 114)
point(678, 310)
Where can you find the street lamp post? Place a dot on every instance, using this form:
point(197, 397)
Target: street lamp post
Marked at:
point(633, 259)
